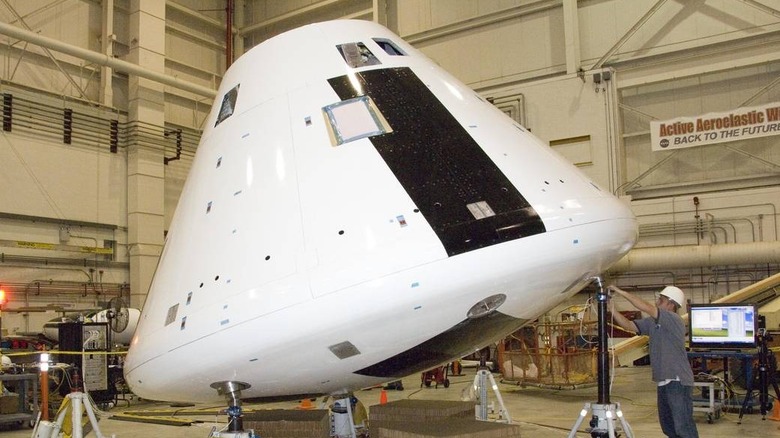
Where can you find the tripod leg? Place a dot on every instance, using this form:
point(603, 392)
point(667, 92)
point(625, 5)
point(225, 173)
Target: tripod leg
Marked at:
point(577, 423)
point(763, 393)
point(350, 417)
point(624, 423)
point(75, 419)
point(777, 393)
point(91, 415)
point(748, 395)
point(503, 413)
point(748, 398)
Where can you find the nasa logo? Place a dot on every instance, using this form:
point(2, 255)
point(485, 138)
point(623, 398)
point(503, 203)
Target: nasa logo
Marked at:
point(665, 143)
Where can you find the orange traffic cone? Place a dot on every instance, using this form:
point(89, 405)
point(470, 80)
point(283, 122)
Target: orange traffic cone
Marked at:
point(776, 411)
point(305, 404)
point(383, 397)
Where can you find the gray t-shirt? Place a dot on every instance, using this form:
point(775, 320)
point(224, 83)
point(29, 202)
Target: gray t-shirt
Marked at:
point(667, 347)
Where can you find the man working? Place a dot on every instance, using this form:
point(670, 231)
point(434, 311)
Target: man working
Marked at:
point(669, 362)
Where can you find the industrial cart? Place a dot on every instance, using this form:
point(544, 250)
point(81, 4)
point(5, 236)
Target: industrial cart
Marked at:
point(712, 404)
point(437, 375)
point(26, 386)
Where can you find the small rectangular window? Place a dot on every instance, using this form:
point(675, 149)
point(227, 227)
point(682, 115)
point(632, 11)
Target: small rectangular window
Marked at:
point(389, 47)
point(480, 210)
point(357, 55)
point(172, 311)
point(228, 105)
point(344, 350)
point(354, 119)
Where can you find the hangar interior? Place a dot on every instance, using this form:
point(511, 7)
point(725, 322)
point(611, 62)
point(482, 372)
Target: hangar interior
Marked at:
point(104, 102)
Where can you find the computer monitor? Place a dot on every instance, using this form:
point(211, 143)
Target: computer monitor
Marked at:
point(722, 326)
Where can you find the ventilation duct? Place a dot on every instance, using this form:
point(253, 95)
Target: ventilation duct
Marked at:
point(695, 256)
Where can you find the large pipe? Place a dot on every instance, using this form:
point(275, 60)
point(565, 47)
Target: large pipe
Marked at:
point(695, 256)
point(104, 60)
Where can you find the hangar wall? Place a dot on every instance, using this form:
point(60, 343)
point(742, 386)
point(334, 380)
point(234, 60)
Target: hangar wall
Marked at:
point(536, 59)
point(582, 125)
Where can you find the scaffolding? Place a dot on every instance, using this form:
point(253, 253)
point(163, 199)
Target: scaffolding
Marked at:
point(557, 354)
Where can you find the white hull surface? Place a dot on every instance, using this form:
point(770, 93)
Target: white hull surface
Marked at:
point(353, 215)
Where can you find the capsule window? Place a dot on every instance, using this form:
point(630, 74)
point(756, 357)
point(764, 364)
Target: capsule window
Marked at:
point(389, 47)
point(357, 55)
point(171, 316)
point(228, 105)
point(354, 119)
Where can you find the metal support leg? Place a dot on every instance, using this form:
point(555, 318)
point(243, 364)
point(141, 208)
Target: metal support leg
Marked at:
point(576, 427)
point(480, 387)
point(343, 406)
point(351, 418)
point(92, 418)
point(75, 415)
point(232, 392)
point(623, 421)
point(503, 413)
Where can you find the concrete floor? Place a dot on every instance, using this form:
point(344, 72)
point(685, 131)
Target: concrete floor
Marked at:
point(539, 412)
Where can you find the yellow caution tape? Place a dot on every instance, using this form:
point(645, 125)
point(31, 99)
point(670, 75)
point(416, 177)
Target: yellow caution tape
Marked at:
point(34, 245)
point(31, 353)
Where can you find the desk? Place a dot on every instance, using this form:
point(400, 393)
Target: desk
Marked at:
point(746, 357)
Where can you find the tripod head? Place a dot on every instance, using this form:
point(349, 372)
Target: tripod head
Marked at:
point(483, 359)
point(601, 291)
point(763, 336)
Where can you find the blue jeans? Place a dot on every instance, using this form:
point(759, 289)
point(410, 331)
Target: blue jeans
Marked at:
point(675, 410)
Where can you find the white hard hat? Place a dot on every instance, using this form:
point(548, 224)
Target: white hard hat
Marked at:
point(675, 294)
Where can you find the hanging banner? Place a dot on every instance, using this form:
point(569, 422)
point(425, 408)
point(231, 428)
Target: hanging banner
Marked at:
point(738, 124)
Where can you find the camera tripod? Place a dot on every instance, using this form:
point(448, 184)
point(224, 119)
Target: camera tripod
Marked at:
point(767, 364)
point(602, 423)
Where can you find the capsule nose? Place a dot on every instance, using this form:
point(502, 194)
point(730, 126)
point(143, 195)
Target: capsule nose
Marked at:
point(609, 222)
point(614, 223)
point(577, 211)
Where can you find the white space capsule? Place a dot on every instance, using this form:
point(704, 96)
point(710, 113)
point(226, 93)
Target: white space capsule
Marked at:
point(354, 214)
